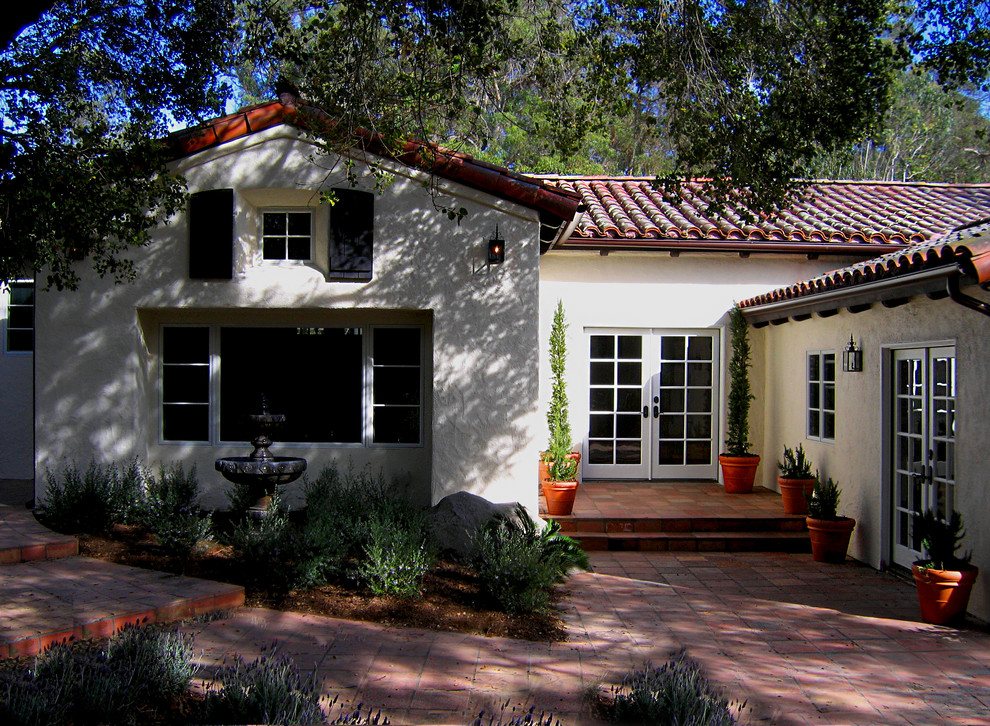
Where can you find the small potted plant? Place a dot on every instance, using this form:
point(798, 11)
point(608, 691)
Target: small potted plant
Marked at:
point(796, 481)
point(738, 463)
point(829, 532)
point(558, 464)
point(944, 579)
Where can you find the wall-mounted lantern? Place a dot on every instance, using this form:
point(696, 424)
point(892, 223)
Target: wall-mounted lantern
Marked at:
point(852, 357)
point(496, 249)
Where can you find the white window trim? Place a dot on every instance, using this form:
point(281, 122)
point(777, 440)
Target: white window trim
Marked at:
point(5, 319)
point(367, 398)
point(821, 395)
point(287, 210)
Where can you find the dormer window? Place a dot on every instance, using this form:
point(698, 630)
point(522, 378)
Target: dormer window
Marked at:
point(287, 236)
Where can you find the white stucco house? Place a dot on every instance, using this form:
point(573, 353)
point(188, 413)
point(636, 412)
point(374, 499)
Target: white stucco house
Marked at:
point(387, 336)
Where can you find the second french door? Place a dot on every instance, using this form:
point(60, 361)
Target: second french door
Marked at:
point(652, 404)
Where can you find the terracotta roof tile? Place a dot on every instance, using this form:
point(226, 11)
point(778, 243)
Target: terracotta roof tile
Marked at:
point(833, 217)
point(968, 246)
point(528, 191)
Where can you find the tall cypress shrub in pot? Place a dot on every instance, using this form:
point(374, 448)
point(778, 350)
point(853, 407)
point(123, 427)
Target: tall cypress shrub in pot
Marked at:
point(560, 484)
point(738, 463)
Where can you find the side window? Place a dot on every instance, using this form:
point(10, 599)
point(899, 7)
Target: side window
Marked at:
point(287, 235)
point(185, 356)
point(351, 238)
point(19, 336)
point(396, 385)
point(821, 395)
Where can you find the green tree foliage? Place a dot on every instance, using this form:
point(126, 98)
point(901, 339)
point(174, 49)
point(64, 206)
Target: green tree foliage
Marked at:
point(740, 396)
point(87, 93)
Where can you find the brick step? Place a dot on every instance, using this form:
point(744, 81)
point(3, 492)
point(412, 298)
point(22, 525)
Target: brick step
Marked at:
point(24, 539)
point(571, 525)
point(693, 541)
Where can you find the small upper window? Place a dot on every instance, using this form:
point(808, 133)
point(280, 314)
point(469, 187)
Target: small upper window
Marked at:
point(20, 317)
point(821, 396)
point(287, 236)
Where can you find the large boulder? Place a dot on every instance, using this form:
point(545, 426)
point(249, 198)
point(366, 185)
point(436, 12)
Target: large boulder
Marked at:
point(455, 518)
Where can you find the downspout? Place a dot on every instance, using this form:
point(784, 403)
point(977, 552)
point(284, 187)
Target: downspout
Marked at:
point(979, 265)
point(967, 301)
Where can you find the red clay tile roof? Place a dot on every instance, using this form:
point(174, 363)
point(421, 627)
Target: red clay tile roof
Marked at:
point(501, 182)
point(834, 217)
point(968, 247)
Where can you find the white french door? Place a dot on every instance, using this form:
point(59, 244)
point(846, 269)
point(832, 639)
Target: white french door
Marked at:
point(923, 446)
point(652, 404)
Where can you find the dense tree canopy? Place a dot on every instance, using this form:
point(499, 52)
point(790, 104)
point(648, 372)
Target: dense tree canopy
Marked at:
point(750, 93)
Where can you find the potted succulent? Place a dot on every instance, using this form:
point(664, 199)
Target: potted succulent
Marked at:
point(558, 464)
point(796, 481)
point(738, 463)
point(944, 579)
point(829, 532)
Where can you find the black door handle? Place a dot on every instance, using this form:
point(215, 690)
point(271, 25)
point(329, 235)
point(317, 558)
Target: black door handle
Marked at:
point(646, 411)
point(656, 412)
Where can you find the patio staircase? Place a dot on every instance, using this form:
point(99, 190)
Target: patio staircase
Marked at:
point(682, 517)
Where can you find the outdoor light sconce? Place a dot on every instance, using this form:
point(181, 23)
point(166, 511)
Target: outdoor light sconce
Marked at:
point(496, 249)
point(852, 357)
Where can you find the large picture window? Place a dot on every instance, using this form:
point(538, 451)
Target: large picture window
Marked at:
point(19, 318)
point(821, 395)
point(358, 385)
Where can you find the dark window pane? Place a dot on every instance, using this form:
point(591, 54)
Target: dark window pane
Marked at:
point(186, 384)
point(396, 386)
point(602, 346)
point(700, 348)
point(396, 346)
point(299, 224)
point(828, 373)
point(672, 347)
point(629, 452)
point(630, 347)
point(814, 395)
point(600, 452)
point(602, 374)
point(671, 400)
point(185, 423)
point(630, 374)
point(671, 427)
point(274, 248)
point(601, 426)
point(20, 317)
point(274, 223)
point(699, 401)
point(185, 345)
point(298, 248)
point(21, 293)
point(829, 425)
point(19, 341)
point(627, 426)
point(671, 453)
point(602, 399)
point(316, 380)
point(396, 425)
point(629, 399)
point(699, 452)
point(699, 374)
point(829, 391)
point(699, 427)
point(672, 374)
point(814, 367)
point(814, 423)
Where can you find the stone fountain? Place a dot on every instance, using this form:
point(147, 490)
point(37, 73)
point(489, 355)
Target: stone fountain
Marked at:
point(261, 472)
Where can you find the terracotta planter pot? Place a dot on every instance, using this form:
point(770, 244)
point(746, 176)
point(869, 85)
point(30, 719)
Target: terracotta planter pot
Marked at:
point(738, 472)
point(560, 497)
point(943, 594)
point(795, 494)
point(830, 538)
point(545, 467)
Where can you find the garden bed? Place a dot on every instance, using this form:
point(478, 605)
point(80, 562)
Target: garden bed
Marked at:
point(451, 600)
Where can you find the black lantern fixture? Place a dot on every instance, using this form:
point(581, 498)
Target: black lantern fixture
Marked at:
point(852, 357)
point(496, 249)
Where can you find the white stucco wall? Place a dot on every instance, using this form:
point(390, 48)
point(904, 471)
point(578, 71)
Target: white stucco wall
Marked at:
point(97, 375)
point(16, 407)
point(858, 457)
point(655, 290)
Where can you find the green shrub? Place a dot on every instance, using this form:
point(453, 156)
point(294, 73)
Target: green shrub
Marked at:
point(396, 555)
point(172, 510)
point(824, 502)
point(675, 694)
point(264, 544)
point(267, 690)
point(92, 501)
point(161, 659)
point(518, 565)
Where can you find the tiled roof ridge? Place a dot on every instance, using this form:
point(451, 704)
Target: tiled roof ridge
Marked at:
point(966, 246)
point(802, 182)
point(450, 164)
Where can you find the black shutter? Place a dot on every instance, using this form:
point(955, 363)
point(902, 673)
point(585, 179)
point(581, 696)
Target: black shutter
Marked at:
point(211, 235)
point(352, 228)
